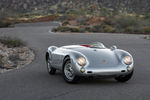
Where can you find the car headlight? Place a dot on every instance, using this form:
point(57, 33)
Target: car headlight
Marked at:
point(127, 60)
point(81, 61)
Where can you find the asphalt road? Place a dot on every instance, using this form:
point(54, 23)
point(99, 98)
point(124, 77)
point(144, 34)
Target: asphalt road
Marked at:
point(34, 83)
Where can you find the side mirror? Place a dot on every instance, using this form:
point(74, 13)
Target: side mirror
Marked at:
point(113, 47)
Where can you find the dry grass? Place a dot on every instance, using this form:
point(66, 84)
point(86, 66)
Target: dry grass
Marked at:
point(28, 19)
point(12, 41)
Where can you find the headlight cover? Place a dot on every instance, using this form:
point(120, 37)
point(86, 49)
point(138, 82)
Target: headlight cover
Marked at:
point(127, 60)
point(81, 61)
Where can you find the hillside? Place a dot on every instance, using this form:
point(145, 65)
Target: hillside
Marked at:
point(65, 6)
point(109, 16)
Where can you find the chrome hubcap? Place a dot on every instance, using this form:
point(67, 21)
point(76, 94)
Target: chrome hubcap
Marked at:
point(68, 71)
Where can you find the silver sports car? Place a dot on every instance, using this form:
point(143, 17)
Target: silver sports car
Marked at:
point(93, 59)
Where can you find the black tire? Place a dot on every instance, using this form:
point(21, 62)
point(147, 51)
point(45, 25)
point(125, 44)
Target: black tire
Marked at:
point(75, 78)
point(124, 78)
point(50, 69)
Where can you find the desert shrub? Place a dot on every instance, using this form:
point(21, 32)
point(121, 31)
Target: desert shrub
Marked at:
point(12, 41)
point(129, 30)
point(74, 29)
point(104, 12)
point(1, 58)
point(65, 23)
point(102, 28)
point(61, 18)
point(54, 30)
point(77, 11)
point(144, 22)
point(82, 30)
point(62, 10)
point(147, 15)
point(121, 21)
point(1, 63)
point(97, 28)
point(117, 23)
point(81, 20)
point(4, 24)
point(94, 28)
point(65, 17)
point(146, 29)
point(126, 21)
point(63, 29)
point(133, 30)
point(109, 28)
point(88, 29)
point(109, 21)
point(73, 11)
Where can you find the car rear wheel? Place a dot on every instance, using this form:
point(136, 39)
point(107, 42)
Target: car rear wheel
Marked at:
point(68, 73)
point(50, 69)
point(124, 78)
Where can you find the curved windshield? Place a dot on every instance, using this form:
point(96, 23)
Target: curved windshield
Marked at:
point(97, 45)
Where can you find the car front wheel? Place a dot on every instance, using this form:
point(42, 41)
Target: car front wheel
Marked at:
point(68, 73)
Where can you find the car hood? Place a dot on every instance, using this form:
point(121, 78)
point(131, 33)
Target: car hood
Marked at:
point(99, 57)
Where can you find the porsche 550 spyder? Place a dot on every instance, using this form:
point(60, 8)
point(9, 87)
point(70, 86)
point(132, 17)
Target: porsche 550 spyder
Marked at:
point(92, 59)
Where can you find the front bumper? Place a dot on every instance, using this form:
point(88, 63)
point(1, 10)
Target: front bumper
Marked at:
point(102, 71)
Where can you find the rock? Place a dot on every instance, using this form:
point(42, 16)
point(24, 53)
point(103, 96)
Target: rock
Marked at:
point(11, 58)
point(28, 1)
point(9, 65)
point(1, 65)
point(1, 48)
point(25, 6)
point(25, 49)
